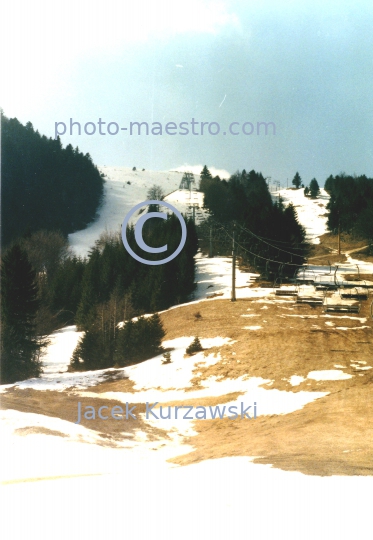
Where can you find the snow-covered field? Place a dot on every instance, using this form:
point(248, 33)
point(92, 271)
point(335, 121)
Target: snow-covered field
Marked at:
point(148, 499)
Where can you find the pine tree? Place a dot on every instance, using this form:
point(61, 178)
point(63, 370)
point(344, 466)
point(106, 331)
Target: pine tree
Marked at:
point(314, 188)
point(297, 181)
point(90, 292)
point(205, 179)
point(194, 347)
point(89, 353)
point(20, 347)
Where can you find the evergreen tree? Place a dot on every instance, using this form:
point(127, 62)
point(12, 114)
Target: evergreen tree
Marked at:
point(91, 292)
point(66, 289)
point(89, 353)
point(205, 179)
point(350, 204)
point(297, 181)
point(139, 340)
point(194, 347)
point(314, 188)
point(20, 347)
point(306, 191)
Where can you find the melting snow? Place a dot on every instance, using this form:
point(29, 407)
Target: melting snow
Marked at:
point(328, 375)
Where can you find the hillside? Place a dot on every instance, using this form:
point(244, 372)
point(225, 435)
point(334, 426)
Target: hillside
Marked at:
point(123, 189)
point(312, 213)
point(308, 372)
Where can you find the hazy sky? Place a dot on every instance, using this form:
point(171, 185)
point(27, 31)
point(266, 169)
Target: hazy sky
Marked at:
point(306, 66)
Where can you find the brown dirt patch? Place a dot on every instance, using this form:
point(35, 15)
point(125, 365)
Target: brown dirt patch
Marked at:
point(32, 430)
point(328, 248)
point(332, 435)
point(293, 340)
point(64, 405)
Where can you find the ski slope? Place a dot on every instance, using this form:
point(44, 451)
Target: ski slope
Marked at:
point(123, 189)
point(312, 213)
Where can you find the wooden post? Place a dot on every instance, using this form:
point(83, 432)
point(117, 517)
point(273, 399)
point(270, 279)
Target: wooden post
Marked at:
point(233, 294)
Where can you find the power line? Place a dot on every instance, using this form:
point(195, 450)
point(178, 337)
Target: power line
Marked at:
point(260, 256)
point(221, 228)
point(275, 247)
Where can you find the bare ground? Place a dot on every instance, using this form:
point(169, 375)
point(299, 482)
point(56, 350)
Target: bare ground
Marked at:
point(332, 435)
point(327, 250)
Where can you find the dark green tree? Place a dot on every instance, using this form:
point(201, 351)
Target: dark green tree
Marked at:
point(205, 179)
point(297, 181)
point(350, 204)
point(20, 346)
point(194, 347)
point(91, 291)
point(314, 188)
point(139, 340)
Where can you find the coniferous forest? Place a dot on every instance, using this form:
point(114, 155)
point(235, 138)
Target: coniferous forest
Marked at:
point(45, 286)
point(115, 288)
point(351, 205)
point(268, 234)
point(44, 186)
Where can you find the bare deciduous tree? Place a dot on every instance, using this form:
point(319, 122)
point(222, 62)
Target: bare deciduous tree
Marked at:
point(155, 193)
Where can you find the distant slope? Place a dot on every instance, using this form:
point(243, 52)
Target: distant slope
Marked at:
point(312, 213)
point(124, 188)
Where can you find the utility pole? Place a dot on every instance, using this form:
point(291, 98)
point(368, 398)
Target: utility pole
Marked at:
point(233, 294)
point(210, 250)
point(339, 236)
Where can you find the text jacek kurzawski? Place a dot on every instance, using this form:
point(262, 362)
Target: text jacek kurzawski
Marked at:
point(185, 412)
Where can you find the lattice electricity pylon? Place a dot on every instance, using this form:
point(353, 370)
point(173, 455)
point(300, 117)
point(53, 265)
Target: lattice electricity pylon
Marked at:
point(187, 181)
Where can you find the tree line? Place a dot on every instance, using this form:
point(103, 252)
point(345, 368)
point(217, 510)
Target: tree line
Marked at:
point(351, 205)
point(268, 234)
point(45, 286)
point(44, 186)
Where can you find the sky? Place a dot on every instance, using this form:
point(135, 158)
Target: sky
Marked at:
point(304, 66)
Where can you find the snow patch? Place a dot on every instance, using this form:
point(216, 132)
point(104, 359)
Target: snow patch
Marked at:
point(328, 375)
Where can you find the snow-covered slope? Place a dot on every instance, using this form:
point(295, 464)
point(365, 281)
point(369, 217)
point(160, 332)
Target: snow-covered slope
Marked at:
point(312, 213)
point(124, 188)
point(185, 201)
